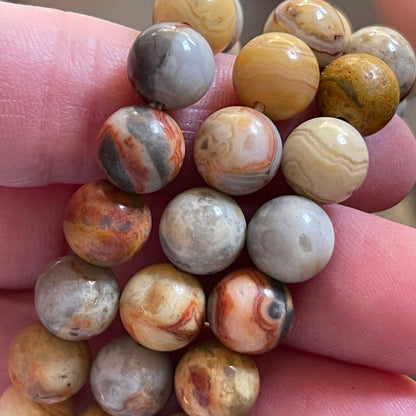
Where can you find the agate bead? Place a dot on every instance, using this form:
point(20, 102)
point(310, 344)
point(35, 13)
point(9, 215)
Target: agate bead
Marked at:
point(290, 238)
point(237, 150)
point(94, 410)
point(278, 72)
point(46, 368)
point(170, 65)
point(325, 159)
point(390, 46)
point(130, 380)
point(316, 22)
point(76, 300)
point(360, 89)
point(202, 231)
point(215, 20)
point(212, 380)
point(106, 226)
point(141, 149)
point(162, 308)
point(249, 312)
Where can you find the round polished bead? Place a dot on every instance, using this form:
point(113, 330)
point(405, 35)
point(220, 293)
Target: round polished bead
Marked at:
point(290, 238)
point(390, 46)
point(212, 380)
point(106, 226)
point(76, 300)
point(360, 89)
point(130, 380)
point(215, 20)
point(278, 72)
point(237, 150)
point(46, 368)
point(163, 308)
point(249, 312)
point(202, 231)
point(141, 149)
point(94, 410)
point(316, 22)
point(170, 65)
point(325, 159)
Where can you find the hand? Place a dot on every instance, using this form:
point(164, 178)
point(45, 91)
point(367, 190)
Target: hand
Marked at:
point(62, 75)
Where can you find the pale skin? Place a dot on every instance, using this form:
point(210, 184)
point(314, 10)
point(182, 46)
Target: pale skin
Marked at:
point(61, 76)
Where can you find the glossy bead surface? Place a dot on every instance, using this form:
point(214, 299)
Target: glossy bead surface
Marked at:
point(290, 238)
point(76, 300)
point(277, 71)
point(130, 380)
point(360, 89)
point(316, 22)
point(215, 20)
point(170, 65)
point(94, 410)
point(46, 368)
point(249, 312)
point(141, 149)
point(202, 231)
point(325, 159)
point(212, 380)
point(162, 308)
point(391, 47)
point(106, 226)
point(237, 150)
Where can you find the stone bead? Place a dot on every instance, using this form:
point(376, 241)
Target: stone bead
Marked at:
point(391, 47)
point(316, 22)
point(76, 300)
point(170, 65)
point(249, 312)
point(215, 20)
point(163, 308)
point(360, 89)
point(14, 403)
point(347, 27)
point(278, 72)
point(130, 380)
point(237, 150)
point(290, 238)
point(325, 159)
point(202, 231)
point(106, 226)
point(141, 149)
point(212, 380)
point(234, 45)
point(94, 410)
point(46, 368)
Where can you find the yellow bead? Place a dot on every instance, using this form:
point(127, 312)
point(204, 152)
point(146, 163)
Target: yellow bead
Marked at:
point(216, 20)
point(277, 71)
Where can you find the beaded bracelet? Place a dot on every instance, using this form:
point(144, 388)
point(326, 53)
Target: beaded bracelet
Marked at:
point(307, 53)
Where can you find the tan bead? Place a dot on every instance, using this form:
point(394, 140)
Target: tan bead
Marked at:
point(215, 20)
point(94, 410)
point(277, 71)
point(325, 159)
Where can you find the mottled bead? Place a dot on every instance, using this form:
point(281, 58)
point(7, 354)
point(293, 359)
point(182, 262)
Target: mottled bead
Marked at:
point(106, 226)
point(212, 380)
point(360, 89)
point(46, 368)
point(278, 72)
point(316, 22)
point(202, 231)
point(170, 65)
point(249, 312)
point(94, 410)
point(290, 238)
point(390, 46)
point(215, 20)
point(14, 403)
point(325, 159)
point(237, 150)
point(141, 149)
point(130, 380)
point(163, 308)
point(76, 300)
